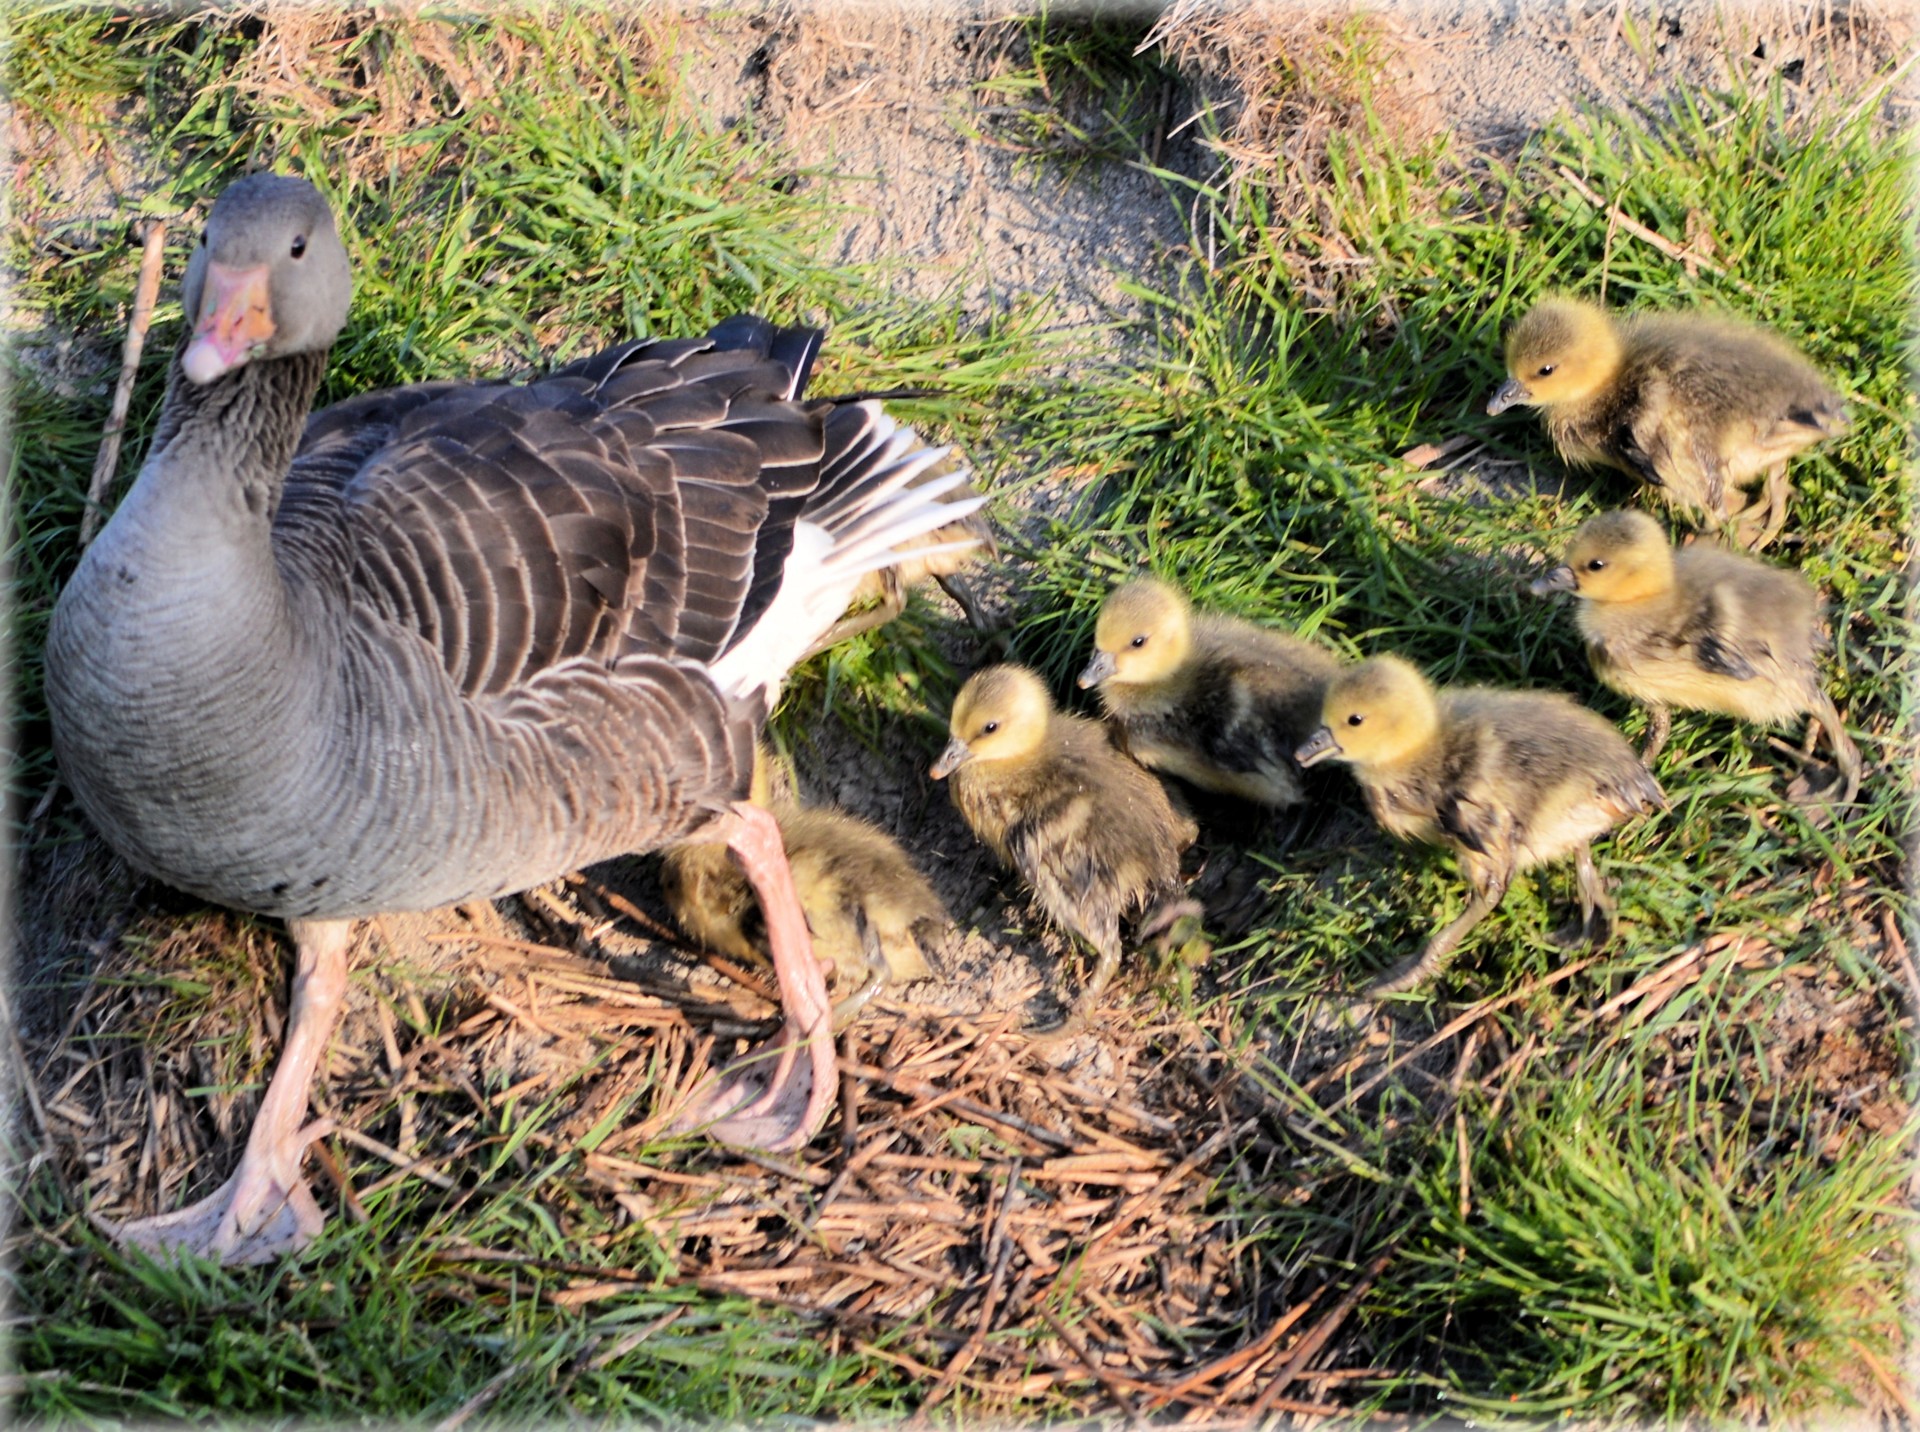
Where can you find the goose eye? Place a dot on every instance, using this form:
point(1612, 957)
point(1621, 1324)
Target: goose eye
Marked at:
point(1138, 641)
point(1355, 719)
point(299, 245)
point(1545, 369)
point(989, 728)
point(1596, 564)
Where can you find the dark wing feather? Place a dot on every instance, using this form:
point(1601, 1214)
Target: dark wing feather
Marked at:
point(1467, 822)
point(1717, 647)
point(637, 502)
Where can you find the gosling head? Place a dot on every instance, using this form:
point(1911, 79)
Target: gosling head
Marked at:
point(269, 277)
point(1376, 713)
point(1619, 556)
point(1001, 714)
point(1144, 633)
point(1563, 351)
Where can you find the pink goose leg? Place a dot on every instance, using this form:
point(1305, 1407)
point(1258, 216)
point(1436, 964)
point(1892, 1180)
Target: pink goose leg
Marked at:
point(265, 1211)
point(771, 1099)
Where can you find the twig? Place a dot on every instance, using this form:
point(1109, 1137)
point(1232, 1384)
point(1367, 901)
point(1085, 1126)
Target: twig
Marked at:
point(1310, 1345)
point(1640, 231)
point(1097, 1369)
point(1473, 1014)
point(478, 1402)
point(152, 251)
point(1221, 1366)
point(393, 1156)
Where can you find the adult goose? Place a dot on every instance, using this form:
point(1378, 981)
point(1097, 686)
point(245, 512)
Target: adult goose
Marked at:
point(451, 640)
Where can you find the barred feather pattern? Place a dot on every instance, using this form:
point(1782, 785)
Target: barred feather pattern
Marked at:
point(467, 636)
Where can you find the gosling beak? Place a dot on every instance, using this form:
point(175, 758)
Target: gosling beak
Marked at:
point(1317, 747)
point(952, 759)
point(234, 323)
point(1560, 579)
point(1506, 395)
point(1098, 670)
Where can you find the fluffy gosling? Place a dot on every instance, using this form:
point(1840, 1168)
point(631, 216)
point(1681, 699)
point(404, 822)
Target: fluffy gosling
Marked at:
point(1698, 405)
point(1214, 700)
point(1506, 779)
point(872, 913)
point(1700, 628)
point(1092, 833)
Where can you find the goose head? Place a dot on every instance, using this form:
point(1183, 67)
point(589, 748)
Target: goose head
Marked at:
point(1379, 712)
point(1001, 714)
point(1564, 351)
point(1619, 556)
point(269, 278)
point(1144, 633)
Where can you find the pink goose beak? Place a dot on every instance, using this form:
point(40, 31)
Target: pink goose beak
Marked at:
point(234, 323)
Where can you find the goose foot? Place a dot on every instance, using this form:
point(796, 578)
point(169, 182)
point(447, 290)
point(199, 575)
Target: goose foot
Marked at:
point(265, 1211)
point(774, 1098)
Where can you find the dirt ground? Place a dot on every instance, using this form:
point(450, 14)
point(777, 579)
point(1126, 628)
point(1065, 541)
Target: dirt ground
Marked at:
point(883, 93)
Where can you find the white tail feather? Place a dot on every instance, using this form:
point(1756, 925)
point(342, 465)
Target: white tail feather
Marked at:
point(824, 567)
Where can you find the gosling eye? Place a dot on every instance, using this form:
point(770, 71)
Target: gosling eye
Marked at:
point(203, 238)
point(1355, 719)
point(1138, 641)
point(989, 728)
point(1545, 369)
point(1596, 564)
point(299, 245)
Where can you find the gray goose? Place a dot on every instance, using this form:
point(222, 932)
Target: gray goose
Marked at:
point(451, 640)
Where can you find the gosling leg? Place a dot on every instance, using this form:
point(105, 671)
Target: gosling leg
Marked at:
point(1778, 491)
point(849, 1007)
point(1596, 906)
point(893, 601)
point(1846, 755)
point(1659, 727)
point(1438, 951)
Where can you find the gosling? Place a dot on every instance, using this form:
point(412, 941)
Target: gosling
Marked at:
point(1214, 700)
point(1507, 779)
point(1700, 628)
point(1698, 405)
point(872, 913)
point(1092, 833)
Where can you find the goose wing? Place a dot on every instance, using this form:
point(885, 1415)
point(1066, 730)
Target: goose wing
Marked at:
point(638, 503)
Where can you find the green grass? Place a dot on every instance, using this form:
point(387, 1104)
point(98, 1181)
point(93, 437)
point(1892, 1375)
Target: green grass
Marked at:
point(1622, 1259)
point(1659, 1221)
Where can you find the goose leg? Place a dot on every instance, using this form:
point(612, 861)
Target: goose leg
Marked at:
point(774, 1100)
point(265, 1211)
point(1435, 955)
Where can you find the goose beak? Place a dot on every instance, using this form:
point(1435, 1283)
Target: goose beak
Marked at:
point(1506, 395)
point(1560, 579)
point(955, 756)
point(1098, 670)
point(1317, 747)
point(234, 323)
